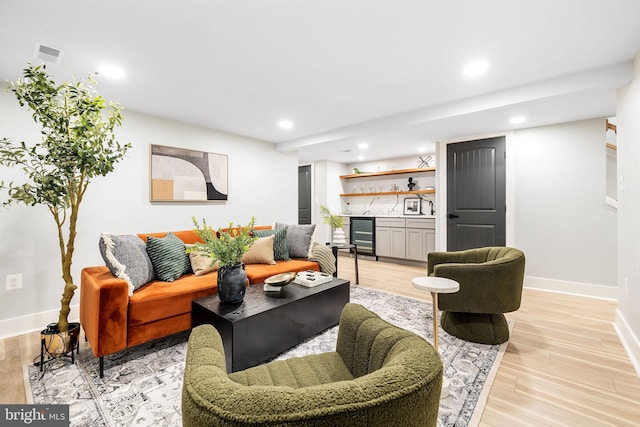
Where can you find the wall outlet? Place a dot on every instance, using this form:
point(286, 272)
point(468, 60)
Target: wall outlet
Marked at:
point(14, 281)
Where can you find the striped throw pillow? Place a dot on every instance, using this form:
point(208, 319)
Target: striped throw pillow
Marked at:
point(280, 252)
point(168, 256)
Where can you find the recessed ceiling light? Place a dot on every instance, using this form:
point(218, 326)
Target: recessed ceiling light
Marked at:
point(517, 120)
point(422, 150)
point(111, 71)
point(285, 124)
point(360, 158)
point(475, 68)
point(363, 146)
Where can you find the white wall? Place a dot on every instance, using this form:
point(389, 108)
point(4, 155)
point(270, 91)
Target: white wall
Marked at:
point(628, 139)
point(326, 191)
point(561, 220)
point(556, 211)
point(262, 182)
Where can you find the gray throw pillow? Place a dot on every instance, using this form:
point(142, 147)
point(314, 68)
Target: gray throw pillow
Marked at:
point(298, 238)
point(280, 251)
point(168, 256)
point(127, 259)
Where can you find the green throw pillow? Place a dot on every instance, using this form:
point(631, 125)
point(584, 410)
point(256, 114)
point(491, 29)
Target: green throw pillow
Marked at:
point(168, 256)
point(280, 252)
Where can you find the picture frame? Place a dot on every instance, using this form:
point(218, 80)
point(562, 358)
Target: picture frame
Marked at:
point(412, 206)
point(184, 175)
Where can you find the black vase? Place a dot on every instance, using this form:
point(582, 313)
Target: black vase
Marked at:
point(232, 283)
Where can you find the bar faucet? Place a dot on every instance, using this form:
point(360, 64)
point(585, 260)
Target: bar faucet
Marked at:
point(433, 209)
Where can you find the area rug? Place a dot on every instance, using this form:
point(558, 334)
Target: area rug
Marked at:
point(142, 386)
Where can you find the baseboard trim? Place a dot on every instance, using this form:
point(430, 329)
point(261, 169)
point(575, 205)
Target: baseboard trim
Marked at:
point(629, 340)
point(409, 262)
point(572, 288)
point(34, 322)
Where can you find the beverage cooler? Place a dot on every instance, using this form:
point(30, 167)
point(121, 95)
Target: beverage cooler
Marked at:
point(362, 233)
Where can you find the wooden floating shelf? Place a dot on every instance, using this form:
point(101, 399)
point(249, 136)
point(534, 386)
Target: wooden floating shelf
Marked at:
point(390, 193)
point(612, 147)
point(394, 172)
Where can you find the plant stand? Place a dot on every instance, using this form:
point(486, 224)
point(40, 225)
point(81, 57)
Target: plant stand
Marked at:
point(50, 349)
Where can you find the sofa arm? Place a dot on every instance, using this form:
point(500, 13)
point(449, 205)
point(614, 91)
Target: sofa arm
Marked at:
point(104, 303)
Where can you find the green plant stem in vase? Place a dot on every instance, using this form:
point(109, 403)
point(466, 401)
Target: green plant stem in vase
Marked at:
point(226, 247)
point(336, 222)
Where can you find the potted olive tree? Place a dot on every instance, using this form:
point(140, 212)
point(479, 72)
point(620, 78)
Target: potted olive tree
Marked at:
point(78, 144)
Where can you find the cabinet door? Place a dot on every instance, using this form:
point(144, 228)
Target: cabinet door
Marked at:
point(397, 243)
point(419, 243)
point(415, 243)
point(383, 241)
point(430, 242)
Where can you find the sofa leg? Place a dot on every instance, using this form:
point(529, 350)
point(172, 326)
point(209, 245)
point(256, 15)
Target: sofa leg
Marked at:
point(101, 366)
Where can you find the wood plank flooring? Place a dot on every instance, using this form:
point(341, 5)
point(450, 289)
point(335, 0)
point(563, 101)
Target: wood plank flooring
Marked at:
point(564, 365)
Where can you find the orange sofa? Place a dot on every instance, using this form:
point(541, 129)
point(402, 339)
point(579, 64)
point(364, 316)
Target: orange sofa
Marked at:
point(113, 321)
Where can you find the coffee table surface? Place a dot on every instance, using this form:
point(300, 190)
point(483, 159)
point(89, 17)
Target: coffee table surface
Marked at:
point(257, 301)
point(265, 325)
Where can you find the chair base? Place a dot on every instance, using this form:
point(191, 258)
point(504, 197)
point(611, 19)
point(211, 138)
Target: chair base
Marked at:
point(481, 328)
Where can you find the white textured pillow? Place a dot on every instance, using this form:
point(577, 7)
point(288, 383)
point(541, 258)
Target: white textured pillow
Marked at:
point(298, 238)
point(126, 257)
point(261, 252)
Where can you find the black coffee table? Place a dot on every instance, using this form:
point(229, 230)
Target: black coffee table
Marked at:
point(263, 326)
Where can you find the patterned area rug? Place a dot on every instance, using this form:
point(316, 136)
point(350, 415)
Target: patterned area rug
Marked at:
point(142, 386)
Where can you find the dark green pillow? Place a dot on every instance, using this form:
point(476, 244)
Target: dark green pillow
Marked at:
point(280, 252)
point(168, 256)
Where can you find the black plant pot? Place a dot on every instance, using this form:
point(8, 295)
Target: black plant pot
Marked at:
point(232, 284)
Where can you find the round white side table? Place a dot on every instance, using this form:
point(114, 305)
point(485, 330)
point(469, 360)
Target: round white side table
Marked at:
point(435, 285)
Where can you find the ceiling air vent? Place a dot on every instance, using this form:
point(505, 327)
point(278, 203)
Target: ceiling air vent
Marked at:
point(47, 54)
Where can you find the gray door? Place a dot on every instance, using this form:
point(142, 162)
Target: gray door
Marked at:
point(304, 194)
point(476, 194)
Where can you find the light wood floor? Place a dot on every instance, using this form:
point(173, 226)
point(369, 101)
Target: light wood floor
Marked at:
point(564, 364)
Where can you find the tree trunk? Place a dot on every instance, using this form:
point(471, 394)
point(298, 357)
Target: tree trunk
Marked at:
point(69, 287)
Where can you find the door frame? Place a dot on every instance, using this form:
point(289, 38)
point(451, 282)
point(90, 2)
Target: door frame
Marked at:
point(441, 186)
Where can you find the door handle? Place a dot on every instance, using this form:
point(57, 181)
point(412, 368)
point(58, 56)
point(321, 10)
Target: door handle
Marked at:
point(451, 216)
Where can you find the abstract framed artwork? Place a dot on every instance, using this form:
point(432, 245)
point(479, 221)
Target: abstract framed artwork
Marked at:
point(182, 175)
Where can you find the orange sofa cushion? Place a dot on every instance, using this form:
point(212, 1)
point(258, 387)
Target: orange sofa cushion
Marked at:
point(159, 300)
point(257, 273)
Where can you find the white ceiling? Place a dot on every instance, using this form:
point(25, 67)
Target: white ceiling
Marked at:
point(386, 72)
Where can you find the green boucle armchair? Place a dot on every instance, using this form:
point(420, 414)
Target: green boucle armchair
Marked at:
point(491, 282)
point(379, 375)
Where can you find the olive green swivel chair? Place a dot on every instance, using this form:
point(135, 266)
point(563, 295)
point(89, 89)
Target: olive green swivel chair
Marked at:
point(379, 375)
point(490, 281)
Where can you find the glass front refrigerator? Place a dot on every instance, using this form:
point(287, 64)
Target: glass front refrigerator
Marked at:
point(362, 233)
